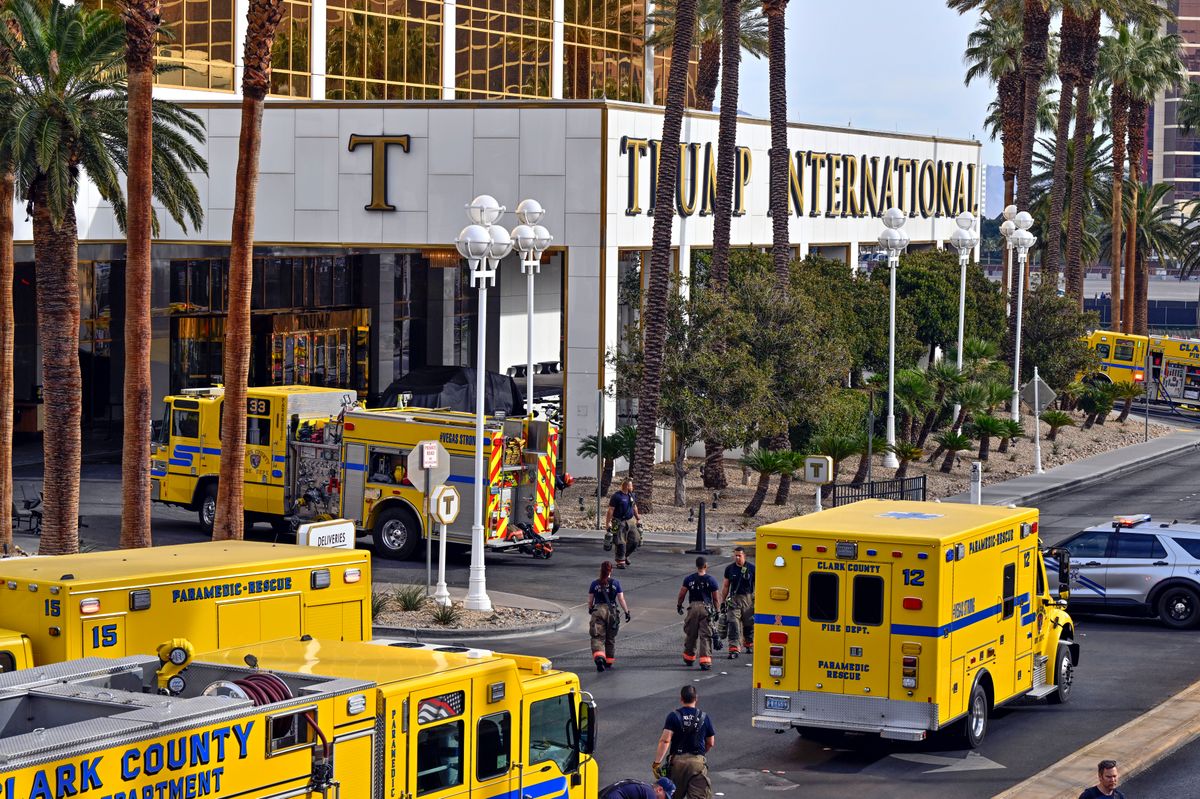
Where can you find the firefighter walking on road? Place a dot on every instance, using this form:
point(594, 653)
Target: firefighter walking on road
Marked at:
point(604, 596)
point(738, 591)
point(703, 597)
point(683, 747)
point(622, 522)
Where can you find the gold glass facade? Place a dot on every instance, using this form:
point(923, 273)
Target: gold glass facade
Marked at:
point(602, 49)
point(383, 50)
point(291, 69)
point(503, 48)
point(662, 71)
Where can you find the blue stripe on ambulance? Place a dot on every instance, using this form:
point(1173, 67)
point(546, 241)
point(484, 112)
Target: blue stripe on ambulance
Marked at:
point(786, 621)
point(179, 462)
point(551, 789)
point(957, 624)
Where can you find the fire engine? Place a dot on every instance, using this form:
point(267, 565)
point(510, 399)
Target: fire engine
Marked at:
point(1174, 364)
point(311, 453)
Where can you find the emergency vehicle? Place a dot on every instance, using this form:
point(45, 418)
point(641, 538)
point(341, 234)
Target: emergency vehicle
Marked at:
point(311, 454)
point(218, 593)
point(1174, 364)
point(901, 618)
point(298, 718)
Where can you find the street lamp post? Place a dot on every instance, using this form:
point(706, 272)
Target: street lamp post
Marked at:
point(1006, 229)
point(893, 240)
point(1022, 241)
point(483, 244)
point(531, 240)
point(964, 240)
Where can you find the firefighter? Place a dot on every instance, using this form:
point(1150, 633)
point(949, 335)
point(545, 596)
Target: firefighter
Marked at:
point(703, 596)
point(738, 591)
point(686, 739)
point(604, 595)
point(622, 522)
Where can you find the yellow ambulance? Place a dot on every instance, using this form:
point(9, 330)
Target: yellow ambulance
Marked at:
point(1174, 364)
point(217, 593)
point(900, 618)
point(299, 718)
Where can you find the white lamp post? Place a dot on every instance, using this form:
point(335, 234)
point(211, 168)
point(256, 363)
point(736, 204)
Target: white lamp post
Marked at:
point(1006, 230)
point(893, 240)
point(483, 243)
point(964, 240)
point(531, 240)
point(1022, 241)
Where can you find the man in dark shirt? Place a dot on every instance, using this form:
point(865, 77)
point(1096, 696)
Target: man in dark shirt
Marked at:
point(1106, 784)
point(703, 596)
point(738, 591)
point(687, 735)
point(621, 521)
point(662, 788)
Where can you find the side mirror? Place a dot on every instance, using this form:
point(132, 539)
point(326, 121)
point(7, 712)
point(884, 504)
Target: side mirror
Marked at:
point(587, 727)
point(1063, 558)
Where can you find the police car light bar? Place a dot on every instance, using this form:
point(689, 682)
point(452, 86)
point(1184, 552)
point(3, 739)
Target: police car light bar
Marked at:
point(1133, 520)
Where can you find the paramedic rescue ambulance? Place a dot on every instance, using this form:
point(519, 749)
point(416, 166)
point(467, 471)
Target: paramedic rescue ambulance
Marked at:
point(901, 618)
point(311, 455)
point(298, 718)
point(217, 593)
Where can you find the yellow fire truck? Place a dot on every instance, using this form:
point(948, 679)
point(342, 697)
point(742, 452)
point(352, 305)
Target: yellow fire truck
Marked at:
point(311, 454)
point(900, 618)
point(1174, 364)
point(298, 718)
point(217, 593)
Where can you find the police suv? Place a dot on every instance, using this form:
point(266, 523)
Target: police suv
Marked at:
point(1134, 566)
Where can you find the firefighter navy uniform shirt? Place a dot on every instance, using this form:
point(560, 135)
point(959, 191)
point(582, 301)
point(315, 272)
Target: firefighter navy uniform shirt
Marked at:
point(741, 578)
point(688, 731)
point(700, 587)
point(622, 505)
point(605, 595)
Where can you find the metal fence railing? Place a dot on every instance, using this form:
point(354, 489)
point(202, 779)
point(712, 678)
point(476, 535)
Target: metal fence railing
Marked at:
point(905, 488)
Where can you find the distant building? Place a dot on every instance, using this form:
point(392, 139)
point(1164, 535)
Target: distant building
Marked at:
point(1172, 157)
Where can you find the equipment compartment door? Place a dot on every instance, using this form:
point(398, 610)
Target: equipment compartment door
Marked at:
point(822, 637)
point(866, 622)
point(438, 761)
point(104, 637)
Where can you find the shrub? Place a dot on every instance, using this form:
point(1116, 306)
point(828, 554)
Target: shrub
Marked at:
point(380, 602)
point(447, 615)
point(409, 597)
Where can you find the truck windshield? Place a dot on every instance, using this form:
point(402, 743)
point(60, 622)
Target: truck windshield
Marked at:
point(552, 733)
point(158, 429)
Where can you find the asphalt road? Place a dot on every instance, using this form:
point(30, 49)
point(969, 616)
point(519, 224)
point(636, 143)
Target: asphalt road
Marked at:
point(1127, 665)
point(1176, 776)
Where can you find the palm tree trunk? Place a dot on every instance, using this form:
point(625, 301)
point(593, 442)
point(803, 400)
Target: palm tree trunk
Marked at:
point(731, 54)
point(760, 495)
point(1135, 266)
point(141, 26)
point(984, 447)
point(781, 250)
point(57, 275)
point(860, 474)
point(902, 469)
point(785, 488)
point(641, 470)
point(606, 476)
point(680, 471)
point(708, 72)
point(1010, 93)
point(1120, 117)
point(1125, 410)
point(931, 417)
point(1082, 140)
point(948, 463)
point(1072, 37)
point(262, 18)
point(7, 332)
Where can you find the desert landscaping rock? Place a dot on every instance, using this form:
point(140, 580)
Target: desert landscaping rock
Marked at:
point(500, 619)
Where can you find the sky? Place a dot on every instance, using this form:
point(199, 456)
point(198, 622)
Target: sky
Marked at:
point(889, 65)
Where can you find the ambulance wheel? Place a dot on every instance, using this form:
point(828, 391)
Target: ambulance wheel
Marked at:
point(976, 723)
point(1179, 607)
point(1064, 676)
point(207, 508)
point(397, 534)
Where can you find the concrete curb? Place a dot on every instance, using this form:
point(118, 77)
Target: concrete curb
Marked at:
point(1135, 746)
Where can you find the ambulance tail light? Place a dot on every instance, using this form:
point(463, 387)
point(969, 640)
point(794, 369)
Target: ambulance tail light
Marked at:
point(775, 661)
point(352, 575)
point(908, 671)
point(777, 638)
point(89, 606)
point(348, 426)
point(913, 603)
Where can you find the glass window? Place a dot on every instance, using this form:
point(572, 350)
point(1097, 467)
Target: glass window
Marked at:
point(603, 54)
point(493, 741)
point(290, 65)
point(439, 757)
point(868, 600)
point(822, 596)
point(383, 50)
point(7, 662)
point(198, 46)
point(258, 431)
point(1102, 351)
point(1041, 581)
point(1190, 546)
point(552, 732)
point(1010, 589)
point(186, 424)
point(1092, 544)
point(1139, 545)
point(1123, 351)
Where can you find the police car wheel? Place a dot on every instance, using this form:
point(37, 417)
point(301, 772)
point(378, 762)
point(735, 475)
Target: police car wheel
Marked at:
point(207, 511)
point(396, 534)
point(1179, 607)
point(976, 723)
point(1064, 676)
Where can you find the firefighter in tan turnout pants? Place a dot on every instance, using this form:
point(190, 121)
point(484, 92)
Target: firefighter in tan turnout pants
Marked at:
point(703, 596)
point(683, 748)
point(738, 591)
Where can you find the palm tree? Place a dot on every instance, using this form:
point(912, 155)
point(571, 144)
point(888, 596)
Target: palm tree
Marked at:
point(985, 427)
point(1126, 393)
point(914, 394)
point(781, 249)
point(791, 463)
point(1096, 402)
point(1118, 67)
point(944, 376)
point(1012, 430)
point(971, 398)
point(765, 462)
point(1152, 226)
point(877, 444)
point(262, 19)
point(655, 314)
point(7, 334)
point(1056, 420)
point(713, 29)
point(1188, 114)
point(906, 452)
point(951, 443)
point(1095, 171)
point(618, 444)
point(1072, 48)
point(141, 30)
point(1083, 134)
point(67, 104)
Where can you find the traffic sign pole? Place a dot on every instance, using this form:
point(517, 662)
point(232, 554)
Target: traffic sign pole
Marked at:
point(428, 540)
point(444, 507)
point(1037, 424)
point(441, 594)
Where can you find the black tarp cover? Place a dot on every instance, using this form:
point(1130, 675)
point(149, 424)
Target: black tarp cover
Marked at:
point(453, 387)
